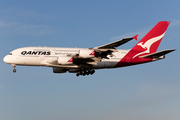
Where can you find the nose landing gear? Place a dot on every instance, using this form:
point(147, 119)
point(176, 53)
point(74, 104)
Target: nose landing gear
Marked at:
point(14, 70)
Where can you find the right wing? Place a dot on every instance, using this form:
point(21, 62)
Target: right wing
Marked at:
point(115, 44)
point(107, 49)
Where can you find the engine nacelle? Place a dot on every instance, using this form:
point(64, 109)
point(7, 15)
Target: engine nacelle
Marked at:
point(87, 53)
point(59, 70)
point(65, 60)
point(73, 70)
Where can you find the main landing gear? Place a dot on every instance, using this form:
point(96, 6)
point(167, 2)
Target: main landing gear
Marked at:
point(14, 70)
point(85, 72)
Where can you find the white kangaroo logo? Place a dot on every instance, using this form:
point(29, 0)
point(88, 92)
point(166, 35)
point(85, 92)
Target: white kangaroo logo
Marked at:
point(148, 44)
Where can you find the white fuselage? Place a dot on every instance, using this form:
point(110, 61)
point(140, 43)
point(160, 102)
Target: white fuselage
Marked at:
point(45, 56)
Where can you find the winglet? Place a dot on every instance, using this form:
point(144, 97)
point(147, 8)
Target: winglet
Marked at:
point(135, 37)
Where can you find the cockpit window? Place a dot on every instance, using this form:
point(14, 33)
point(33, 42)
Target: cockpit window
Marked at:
point(10, 53)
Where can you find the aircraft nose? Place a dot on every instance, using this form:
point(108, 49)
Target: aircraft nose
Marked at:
point(6, 59)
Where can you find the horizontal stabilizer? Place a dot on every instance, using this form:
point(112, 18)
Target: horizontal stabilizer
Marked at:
point(157, 54)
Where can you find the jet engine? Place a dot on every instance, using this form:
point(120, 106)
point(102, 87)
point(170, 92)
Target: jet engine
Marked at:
point(65, 60)
point(86, 53)
point(59, 70)
point(73, 70)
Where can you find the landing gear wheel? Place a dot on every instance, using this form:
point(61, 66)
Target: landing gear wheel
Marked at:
point(14, 70)
point(77, 74)
point(84, 72)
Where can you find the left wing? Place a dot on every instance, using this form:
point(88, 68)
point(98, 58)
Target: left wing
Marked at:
point(89, 57)
point(103, 51)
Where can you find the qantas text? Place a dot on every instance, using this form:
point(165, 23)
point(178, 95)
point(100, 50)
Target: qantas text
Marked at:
point(35, 53)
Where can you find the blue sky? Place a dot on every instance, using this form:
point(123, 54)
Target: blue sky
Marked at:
point(148, 91)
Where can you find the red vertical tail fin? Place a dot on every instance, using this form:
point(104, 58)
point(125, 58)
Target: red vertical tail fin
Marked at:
point(150, 42)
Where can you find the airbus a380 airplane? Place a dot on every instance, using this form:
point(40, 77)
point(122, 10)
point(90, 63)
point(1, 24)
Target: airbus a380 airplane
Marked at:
point(84, 61)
